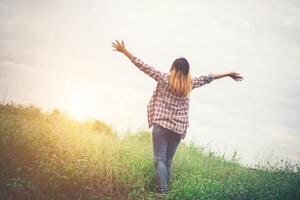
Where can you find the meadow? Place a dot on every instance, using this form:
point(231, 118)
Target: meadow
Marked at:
point(49, 156)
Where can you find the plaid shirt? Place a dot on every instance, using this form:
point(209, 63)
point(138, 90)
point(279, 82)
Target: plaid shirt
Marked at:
point(164, 107)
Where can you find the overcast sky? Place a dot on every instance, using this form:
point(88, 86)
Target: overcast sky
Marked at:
point(54, 52)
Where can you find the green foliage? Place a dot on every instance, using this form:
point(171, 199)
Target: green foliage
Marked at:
point(52, 156)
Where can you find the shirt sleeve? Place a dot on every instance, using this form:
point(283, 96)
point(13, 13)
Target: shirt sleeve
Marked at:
point(147, 69)
point(201, 80)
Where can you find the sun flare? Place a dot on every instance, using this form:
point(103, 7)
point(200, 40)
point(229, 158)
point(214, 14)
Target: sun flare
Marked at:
point(81, 104)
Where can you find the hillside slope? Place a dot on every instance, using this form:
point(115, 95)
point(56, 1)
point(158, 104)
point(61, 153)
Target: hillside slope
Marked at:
point(51, 156)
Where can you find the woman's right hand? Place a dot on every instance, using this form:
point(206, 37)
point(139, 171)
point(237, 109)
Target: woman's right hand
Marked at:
point(119, 46)
point(235, 76)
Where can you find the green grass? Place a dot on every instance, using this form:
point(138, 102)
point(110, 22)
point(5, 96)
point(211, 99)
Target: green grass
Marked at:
point(52, 156)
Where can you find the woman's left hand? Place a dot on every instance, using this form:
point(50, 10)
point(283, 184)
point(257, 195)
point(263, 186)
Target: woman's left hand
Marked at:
point(119, 46)
point(235, 76)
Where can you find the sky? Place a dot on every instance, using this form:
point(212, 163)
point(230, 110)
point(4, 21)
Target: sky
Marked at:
point(58, 54)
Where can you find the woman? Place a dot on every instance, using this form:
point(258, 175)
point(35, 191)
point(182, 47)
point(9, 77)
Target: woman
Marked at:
point(168, 108)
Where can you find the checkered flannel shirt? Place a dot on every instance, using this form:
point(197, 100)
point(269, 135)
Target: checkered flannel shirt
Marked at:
point(164, 107)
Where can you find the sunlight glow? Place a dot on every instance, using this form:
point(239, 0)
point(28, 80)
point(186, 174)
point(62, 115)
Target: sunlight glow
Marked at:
point(81, 104)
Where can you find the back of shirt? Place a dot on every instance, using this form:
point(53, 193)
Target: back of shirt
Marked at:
point(165, 108)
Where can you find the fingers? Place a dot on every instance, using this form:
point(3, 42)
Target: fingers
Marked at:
point(119, 46)
point(115, 46)
point(118, 43)
point(236, 76)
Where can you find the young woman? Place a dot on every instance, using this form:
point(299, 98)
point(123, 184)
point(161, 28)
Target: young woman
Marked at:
point(168, 108)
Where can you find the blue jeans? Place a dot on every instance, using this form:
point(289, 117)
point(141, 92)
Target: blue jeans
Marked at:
point(165, 143)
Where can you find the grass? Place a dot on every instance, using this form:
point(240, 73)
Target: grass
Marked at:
point(48, 155)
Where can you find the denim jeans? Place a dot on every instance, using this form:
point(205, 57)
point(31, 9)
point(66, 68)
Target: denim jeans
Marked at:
point(165, 143)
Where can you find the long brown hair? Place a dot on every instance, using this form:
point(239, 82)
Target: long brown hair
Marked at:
point(180, 79)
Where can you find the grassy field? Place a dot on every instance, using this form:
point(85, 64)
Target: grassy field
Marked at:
point(47, 156)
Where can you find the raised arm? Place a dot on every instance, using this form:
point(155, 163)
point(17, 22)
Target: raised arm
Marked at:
point(235, 76)
point(149, 70)
point(202, 80)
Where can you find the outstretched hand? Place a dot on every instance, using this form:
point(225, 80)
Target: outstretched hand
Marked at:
point(119, 46)
point(235, 76)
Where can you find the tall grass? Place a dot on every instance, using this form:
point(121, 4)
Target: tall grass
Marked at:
point(48, 155)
